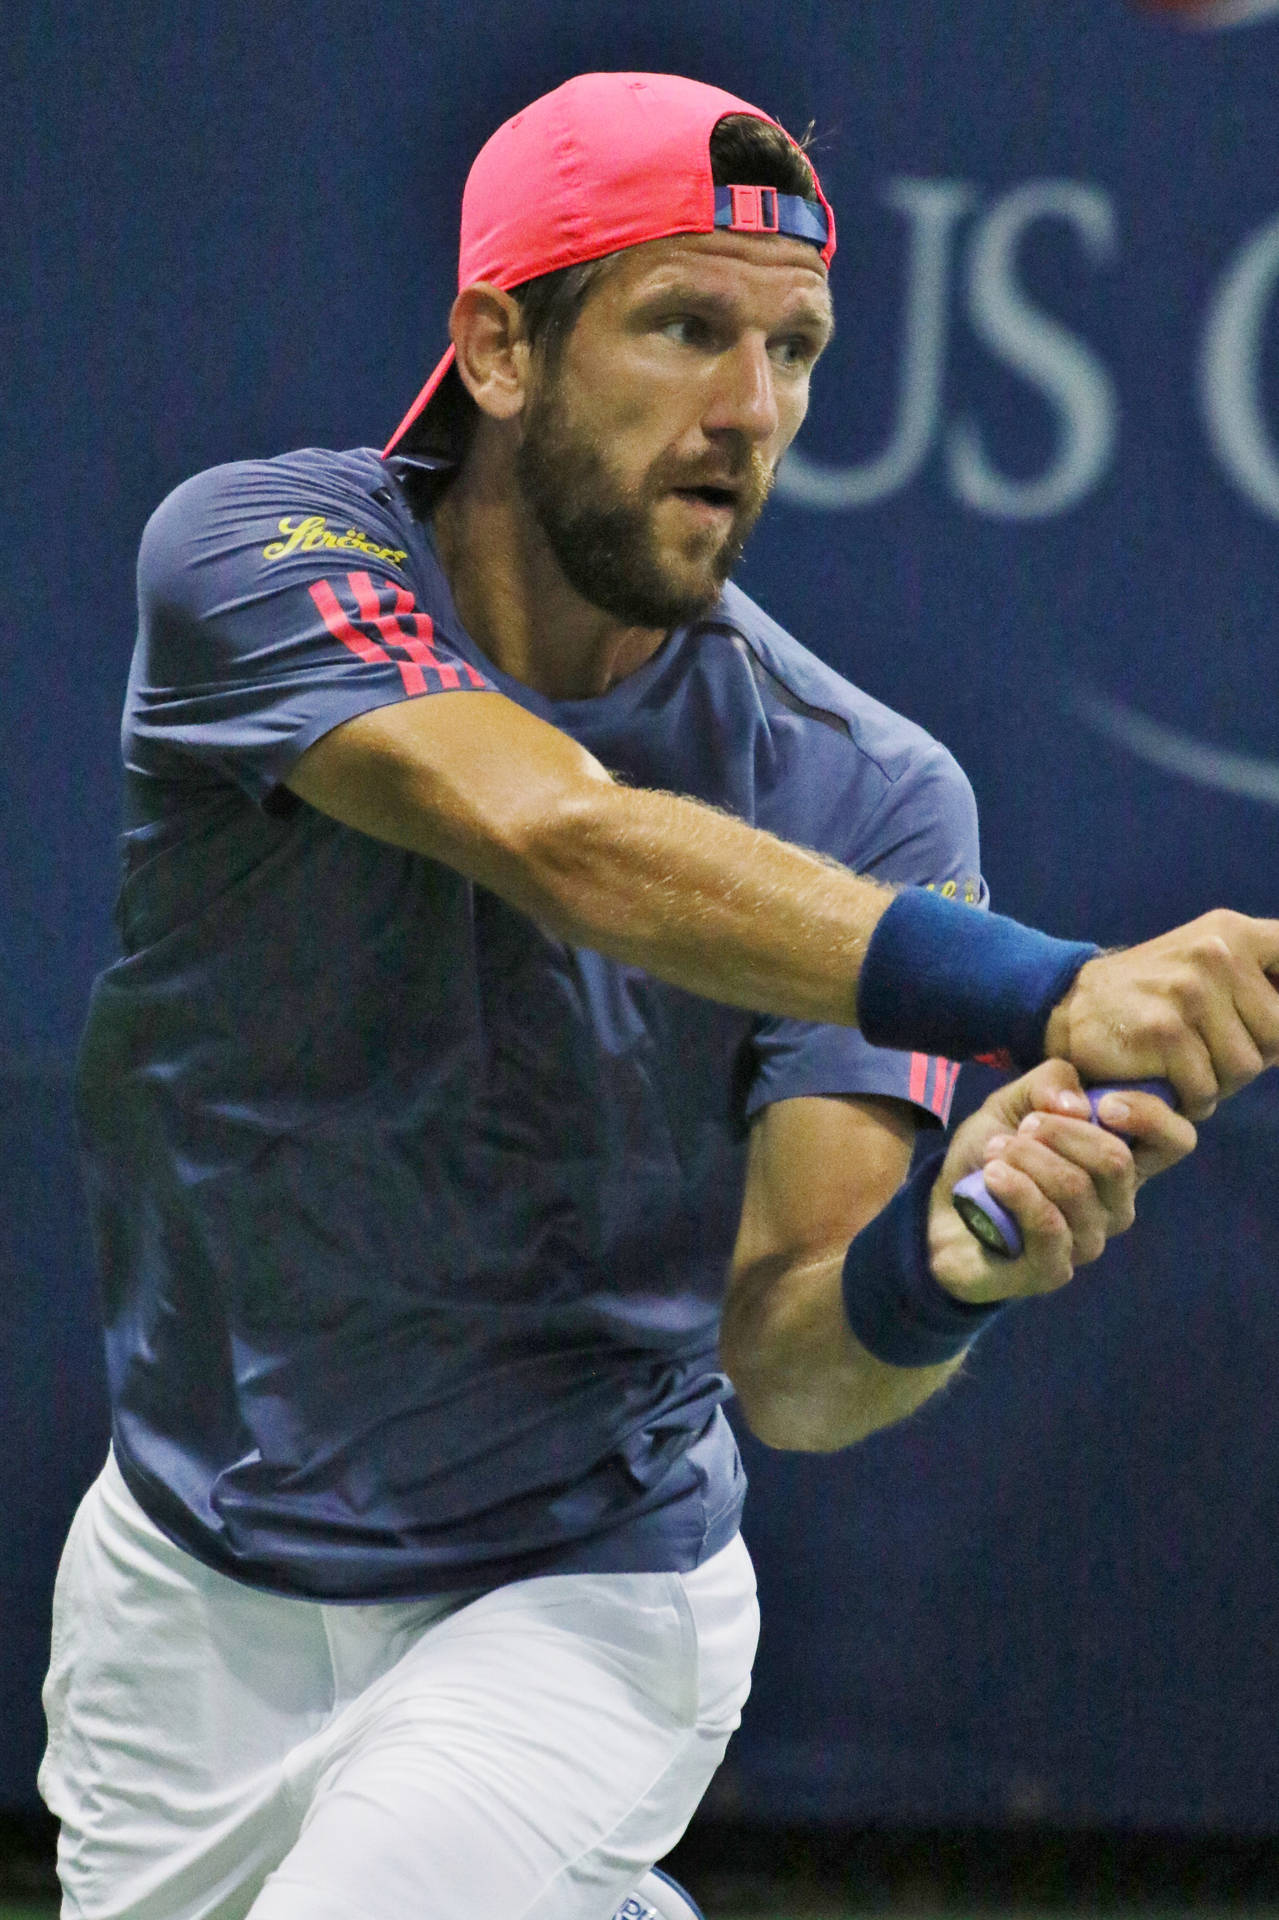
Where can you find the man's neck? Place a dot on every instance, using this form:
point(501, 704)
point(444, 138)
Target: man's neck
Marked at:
point(514, 601)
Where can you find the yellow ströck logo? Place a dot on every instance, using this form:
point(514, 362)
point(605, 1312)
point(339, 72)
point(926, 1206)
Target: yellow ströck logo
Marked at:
point(311, 534)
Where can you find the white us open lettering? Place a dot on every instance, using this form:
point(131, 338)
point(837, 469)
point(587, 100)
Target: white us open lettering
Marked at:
point(1230, 370)
point(975, 271)
point(1038, 349)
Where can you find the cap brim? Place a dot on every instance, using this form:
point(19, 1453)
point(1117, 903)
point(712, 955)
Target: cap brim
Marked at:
point(413, 430)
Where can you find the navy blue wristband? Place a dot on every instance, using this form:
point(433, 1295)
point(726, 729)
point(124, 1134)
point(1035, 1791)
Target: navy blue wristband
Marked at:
point(941, 977)
point(893, 1304)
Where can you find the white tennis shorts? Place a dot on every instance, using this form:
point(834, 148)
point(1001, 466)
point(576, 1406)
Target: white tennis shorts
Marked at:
point(216, 1752)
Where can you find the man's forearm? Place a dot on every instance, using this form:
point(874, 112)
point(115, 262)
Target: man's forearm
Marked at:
point(704, 901)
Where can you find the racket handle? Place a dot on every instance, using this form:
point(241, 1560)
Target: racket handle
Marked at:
point(991, 1223)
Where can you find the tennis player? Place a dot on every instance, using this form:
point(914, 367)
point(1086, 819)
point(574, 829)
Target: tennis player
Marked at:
point(538, 972)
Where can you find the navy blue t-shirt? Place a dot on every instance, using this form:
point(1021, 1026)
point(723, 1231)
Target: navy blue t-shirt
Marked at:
point(414, 1221)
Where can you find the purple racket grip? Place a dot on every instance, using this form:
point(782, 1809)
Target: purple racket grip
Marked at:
point(992, 1224)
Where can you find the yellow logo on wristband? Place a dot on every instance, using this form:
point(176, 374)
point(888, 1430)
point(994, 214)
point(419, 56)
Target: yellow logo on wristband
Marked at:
point(968, 890)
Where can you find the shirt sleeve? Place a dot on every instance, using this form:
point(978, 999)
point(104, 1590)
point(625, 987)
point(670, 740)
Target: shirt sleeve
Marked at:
point(273, 605)
point(923, 833)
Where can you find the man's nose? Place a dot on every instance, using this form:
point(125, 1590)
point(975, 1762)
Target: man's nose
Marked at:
point(745, 398)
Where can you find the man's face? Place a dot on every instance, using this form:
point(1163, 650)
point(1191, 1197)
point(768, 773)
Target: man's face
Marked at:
point(650, 442)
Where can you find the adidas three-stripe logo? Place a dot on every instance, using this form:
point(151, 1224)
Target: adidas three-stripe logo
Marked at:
point(405, 636)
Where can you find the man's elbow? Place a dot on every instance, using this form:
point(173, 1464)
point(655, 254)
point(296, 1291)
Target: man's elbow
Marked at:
point(558, 857)
point(791, 1420)
point(794, 1409)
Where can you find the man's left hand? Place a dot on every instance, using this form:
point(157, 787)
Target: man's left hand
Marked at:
point(1069, 1183)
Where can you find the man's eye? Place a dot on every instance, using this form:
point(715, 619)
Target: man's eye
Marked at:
point(687, 329)
point(796, 352)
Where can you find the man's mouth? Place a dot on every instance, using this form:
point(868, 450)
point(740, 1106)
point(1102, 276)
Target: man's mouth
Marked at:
point(720, 499)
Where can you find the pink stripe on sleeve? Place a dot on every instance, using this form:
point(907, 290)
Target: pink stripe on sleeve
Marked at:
point(369, 601)
point(340, 627)
point(943, 1092)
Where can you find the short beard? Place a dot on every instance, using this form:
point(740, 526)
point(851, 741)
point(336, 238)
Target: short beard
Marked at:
point(601, 533)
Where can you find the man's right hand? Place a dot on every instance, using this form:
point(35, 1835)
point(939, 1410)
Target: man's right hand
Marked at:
point(1198, 1006)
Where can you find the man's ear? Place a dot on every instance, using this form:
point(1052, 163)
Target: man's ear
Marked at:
point(491, 348)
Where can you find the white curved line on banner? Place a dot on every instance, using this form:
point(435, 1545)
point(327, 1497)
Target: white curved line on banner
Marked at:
point(1248, 775)
point(1215, 14)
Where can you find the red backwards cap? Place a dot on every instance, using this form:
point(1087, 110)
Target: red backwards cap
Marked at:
point(608, 160)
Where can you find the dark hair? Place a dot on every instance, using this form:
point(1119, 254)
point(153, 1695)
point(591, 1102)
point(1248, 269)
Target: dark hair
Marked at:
point(745, 152)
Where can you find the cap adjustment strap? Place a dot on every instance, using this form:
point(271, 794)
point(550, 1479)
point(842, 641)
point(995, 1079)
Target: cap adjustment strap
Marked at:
point(765, 210)
point(754, 209)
